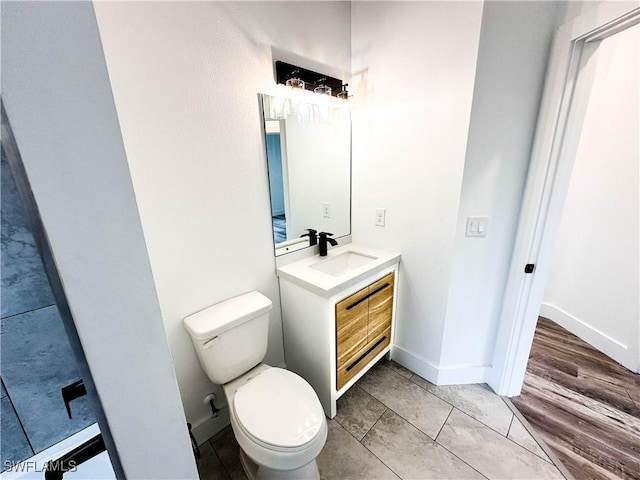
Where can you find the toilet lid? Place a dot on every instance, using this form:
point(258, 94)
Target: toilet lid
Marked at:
point(279, 408)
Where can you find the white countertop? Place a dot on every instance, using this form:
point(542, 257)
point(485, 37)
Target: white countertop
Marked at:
point(302, 274)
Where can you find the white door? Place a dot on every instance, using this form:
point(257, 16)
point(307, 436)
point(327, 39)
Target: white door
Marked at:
point(593, 286)
point(564, 105)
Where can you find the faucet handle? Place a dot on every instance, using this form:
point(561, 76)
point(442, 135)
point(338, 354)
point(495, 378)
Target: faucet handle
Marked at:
point(312, 234)
point(324, 237)
point(322, 243)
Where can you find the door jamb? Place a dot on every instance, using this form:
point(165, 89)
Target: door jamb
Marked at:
point(561, 115)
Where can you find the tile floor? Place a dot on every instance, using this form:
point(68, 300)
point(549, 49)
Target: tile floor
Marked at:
point(394, 424)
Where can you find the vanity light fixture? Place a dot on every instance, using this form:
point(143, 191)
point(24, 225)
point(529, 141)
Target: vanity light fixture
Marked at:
point(323, 105)
point(295, 82)
point(308, 95)
point(322, 89)
point(343, 94)
point(311, 80)
point(296, 99)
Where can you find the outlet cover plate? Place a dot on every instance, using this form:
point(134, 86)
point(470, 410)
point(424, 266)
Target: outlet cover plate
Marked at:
point(326, 210)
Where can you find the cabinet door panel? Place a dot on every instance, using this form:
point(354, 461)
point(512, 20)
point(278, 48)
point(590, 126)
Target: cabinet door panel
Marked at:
point(380, 306)
point(362, 358)
point(352, 315)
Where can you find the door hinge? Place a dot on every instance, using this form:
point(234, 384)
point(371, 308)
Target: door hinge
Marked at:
point(529, 267)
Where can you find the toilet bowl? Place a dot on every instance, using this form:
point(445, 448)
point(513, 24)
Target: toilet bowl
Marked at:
point(275, 414)
point(278, 422)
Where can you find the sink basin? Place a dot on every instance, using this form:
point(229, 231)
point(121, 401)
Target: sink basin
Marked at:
point(345, 266)
point(342, 263)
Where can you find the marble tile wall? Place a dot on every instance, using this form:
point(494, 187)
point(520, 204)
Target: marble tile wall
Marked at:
point(394, 424)
point(36, 359)
point(24, 284)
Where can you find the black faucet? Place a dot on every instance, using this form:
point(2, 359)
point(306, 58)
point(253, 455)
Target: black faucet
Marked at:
point(312, 234)
point(322, 244)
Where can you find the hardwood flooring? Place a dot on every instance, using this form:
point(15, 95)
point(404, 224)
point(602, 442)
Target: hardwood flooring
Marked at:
point(583, 404)
point(279, 229)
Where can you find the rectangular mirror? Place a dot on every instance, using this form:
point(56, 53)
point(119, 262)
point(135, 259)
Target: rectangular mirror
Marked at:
point(308, 147)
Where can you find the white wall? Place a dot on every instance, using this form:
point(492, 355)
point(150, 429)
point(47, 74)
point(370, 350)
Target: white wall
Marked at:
point(512, 58)
point(55, 88)
point(437, 140)
point(185, 77)
point(413, 69)
point(593, 287)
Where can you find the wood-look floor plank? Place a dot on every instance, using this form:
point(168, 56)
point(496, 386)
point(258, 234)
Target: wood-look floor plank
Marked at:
point(587, 386)
point(583, 404)
point(585, 436)
point(605, 419)
point(581, 436)
point(578, 466)
point(634, 395)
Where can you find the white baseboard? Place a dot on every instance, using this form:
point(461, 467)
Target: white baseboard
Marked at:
point(208, 427)
point(416, 364)
point(463, 374)
point(447, 375)
point(599, 340)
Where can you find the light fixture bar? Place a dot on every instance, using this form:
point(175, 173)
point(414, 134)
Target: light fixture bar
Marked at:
point(285, 71)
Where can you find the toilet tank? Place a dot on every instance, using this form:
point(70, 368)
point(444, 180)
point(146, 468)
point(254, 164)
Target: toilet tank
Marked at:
point(231, 337)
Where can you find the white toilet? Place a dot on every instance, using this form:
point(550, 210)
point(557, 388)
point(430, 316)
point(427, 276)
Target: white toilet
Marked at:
point(275, 414)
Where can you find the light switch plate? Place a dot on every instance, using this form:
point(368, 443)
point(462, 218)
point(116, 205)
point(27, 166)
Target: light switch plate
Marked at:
point(380, 217)
point(477, 226)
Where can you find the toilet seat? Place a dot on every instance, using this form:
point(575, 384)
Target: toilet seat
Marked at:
point(279, 410)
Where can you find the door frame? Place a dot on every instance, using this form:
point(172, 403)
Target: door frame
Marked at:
point(562, 111)
point(16, 166)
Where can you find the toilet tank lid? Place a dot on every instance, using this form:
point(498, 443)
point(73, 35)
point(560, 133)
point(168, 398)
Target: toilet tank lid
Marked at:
point(225, 315)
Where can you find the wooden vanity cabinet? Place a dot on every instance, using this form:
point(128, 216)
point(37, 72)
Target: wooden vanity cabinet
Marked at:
point(334, 333)
point(363, 327)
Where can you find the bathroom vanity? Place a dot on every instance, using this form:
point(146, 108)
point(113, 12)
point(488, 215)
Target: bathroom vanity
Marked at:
point(338, 316)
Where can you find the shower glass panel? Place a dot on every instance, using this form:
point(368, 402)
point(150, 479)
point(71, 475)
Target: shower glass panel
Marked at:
point(36, 359)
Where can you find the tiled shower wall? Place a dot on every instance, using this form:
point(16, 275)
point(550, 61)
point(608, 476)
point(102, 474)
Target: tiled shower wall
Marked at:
point(36, 360)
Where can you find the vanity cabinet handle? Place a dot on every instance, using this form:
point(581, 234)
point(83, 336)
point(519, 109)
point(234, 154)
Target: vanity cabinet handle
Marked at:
point(371, 294)
point(369, 350)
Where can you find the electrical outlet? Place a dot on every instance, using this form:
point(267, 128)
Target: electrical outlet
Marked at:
point(326, 210)
point(380, 217)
